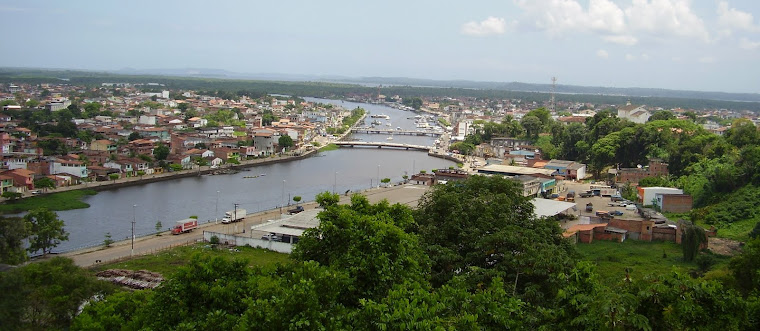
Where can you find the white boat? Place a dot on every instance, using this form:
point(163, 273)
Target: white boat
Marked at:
point(389, 138)
point(379, 116)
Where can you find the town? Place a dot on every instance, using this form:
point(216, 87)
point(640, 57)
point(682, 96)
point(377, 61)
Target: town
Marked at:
point(599, 173)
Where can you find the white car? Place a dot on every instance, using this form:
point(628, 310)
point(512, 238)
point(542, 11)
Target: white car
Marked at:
point(630, 207)
point(36, 192)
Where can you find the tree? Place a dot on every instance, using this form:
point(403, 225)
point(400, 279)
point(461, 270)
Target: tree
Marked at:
point(385, 181)
point(12, 196)
point(159, 226)
point(662, 115)
point(44, 183)
point(369, 243)
point(297, 199)
point(285, 141)
point(108, 240)
point(46, 295)
point(134, 136)
point(13, 231)
point(161, 152)
point(46, 230)
point(745, 267)
point(113, 177)
point(327, 199)
point(692, 239)
point(532, 125)
point(482, 228)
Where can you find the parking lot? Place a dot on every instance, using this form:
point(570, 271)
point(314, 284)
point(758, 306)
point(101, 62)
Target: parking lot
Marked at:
point(599, 203)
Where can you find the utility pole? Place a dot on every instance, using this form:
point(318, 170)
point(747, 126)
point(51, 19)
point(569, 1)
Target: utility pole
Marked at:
point(554, 87)
point(234, 214)
point(132, 252)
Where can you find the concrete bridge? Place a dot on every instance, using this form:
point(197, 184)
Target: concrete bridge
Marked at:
point(381, 145)
point(397, 132)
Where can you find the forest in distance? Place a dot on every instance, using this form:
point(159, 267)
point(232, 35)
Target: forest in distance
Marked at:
point(326, 89)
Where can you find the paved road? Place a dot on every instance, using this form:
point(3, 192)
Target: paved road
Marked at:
point(404, 194)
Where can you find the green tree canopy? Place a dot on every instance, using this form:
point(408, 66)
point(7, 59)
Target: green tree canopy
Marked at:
point(46, 230)
point(13, 231)
point(484, 227)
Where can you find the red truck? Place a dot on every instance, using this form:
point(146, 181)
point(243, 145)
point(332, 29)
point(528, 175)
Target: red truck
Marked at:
point(185, 225)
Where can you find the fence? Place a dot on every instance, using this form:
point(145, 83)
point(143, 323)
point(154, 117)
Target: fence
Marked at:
point(149, 252)
point(229, 239)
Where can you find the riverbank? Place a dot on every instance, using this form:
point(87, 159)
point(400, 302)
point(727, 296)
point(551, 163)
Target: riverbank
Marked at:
point(407, 194)
point(53, 200)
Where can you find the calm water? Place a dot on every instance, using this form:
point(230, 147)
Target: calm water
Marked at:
point(340, 170)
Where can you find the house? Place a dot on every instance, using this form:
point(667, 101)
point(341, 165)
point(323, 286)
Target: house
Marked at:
point(656, 168)
point(422, 179)
point(68, 167)
point(531, 185)
point(264, 141)
point(569, 169)
point(226, 153)
point(647, 195)
point(103, 145)
point(6, 183)
point(673, 203)
point(634, 113)
point(23, 179)
point(141, 147)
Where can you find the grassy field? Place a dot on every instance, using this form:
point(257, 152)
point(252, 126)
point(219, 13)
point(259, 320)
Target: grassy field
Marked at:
point(738, 230)
point(329, 147)
point(167, 262)
point(57, 201)
point(643, 258)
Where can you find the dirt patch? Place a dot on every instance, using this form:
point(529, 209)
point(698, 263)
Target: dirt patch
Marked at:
point(140, 279)
point(724, 246)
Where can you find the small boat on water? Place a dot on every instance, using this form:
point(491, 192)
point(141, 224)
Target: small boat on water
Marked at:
point(389, 138)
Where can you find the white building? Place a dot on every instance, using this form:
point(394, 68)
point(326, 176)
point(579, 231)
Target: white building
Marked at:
point(634, 113)
point(647, 194)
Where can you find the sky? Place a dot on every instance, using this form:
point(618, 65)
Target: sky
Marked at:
point(704, 45)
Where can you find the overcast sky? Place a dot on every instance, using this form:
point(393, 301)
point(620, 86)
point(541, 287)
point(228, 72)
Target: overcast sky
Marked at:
point(704, 45)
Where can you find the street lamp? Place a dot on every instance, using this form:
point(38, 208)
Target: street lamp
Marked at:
point(216, 210)
point(132, 252)
point(282, 198)
point(378, 176)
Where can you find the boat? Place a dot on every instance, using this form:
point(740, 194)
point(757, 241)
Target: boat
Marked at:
point(380, 116)
point(389, 138)
point(376, 122)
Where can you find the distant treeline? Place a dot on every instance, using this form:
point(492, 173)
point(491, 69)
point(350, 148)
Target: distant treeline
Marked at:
point(339, 90)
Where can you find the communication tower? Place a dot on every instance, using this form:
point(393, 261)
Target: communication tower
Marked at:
point(554, 87)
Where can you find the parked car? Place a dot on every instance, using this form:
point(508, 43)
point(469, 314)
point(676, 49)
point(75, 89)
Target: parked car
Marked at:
point(616, 198)
point(36, 192)
point(616, 213)
point(630, 207)
point(295, 210)
point(616, 204)
point(586, 194)
point(271, 237)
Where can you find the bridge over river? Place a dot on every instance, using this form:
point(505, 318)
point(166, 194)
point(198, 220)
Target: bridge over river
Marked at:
point(398, 132)
point(382, 144)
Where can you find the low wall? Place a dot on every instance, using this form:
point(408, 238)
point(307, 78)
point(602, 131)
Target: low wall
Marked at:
point(229, 239)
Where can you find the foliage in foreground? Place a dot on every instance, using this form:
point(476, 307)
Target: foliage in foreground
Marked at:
point(366, 267)
point(46, 295)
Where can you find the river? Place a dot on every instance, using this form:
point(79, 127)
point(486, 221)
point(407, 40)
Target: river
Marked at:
point(208, 197)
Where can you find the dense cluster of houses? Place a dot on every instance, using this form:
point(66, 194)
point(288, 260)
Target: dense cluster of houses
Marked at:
point(143, 132)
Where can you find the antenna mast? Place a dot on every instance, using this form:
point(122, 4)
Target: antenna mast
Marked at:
point(554, 87)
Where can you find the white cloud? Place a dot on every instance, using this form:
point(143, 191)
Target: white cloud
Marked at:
point(666, 17)
point(630, 57)
point(602, 54)
point(732, 18)
point(623, 40)
point(645, 56)
point(747, 44)
point(491, 25)
point(614, 23)
point(706, 59)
